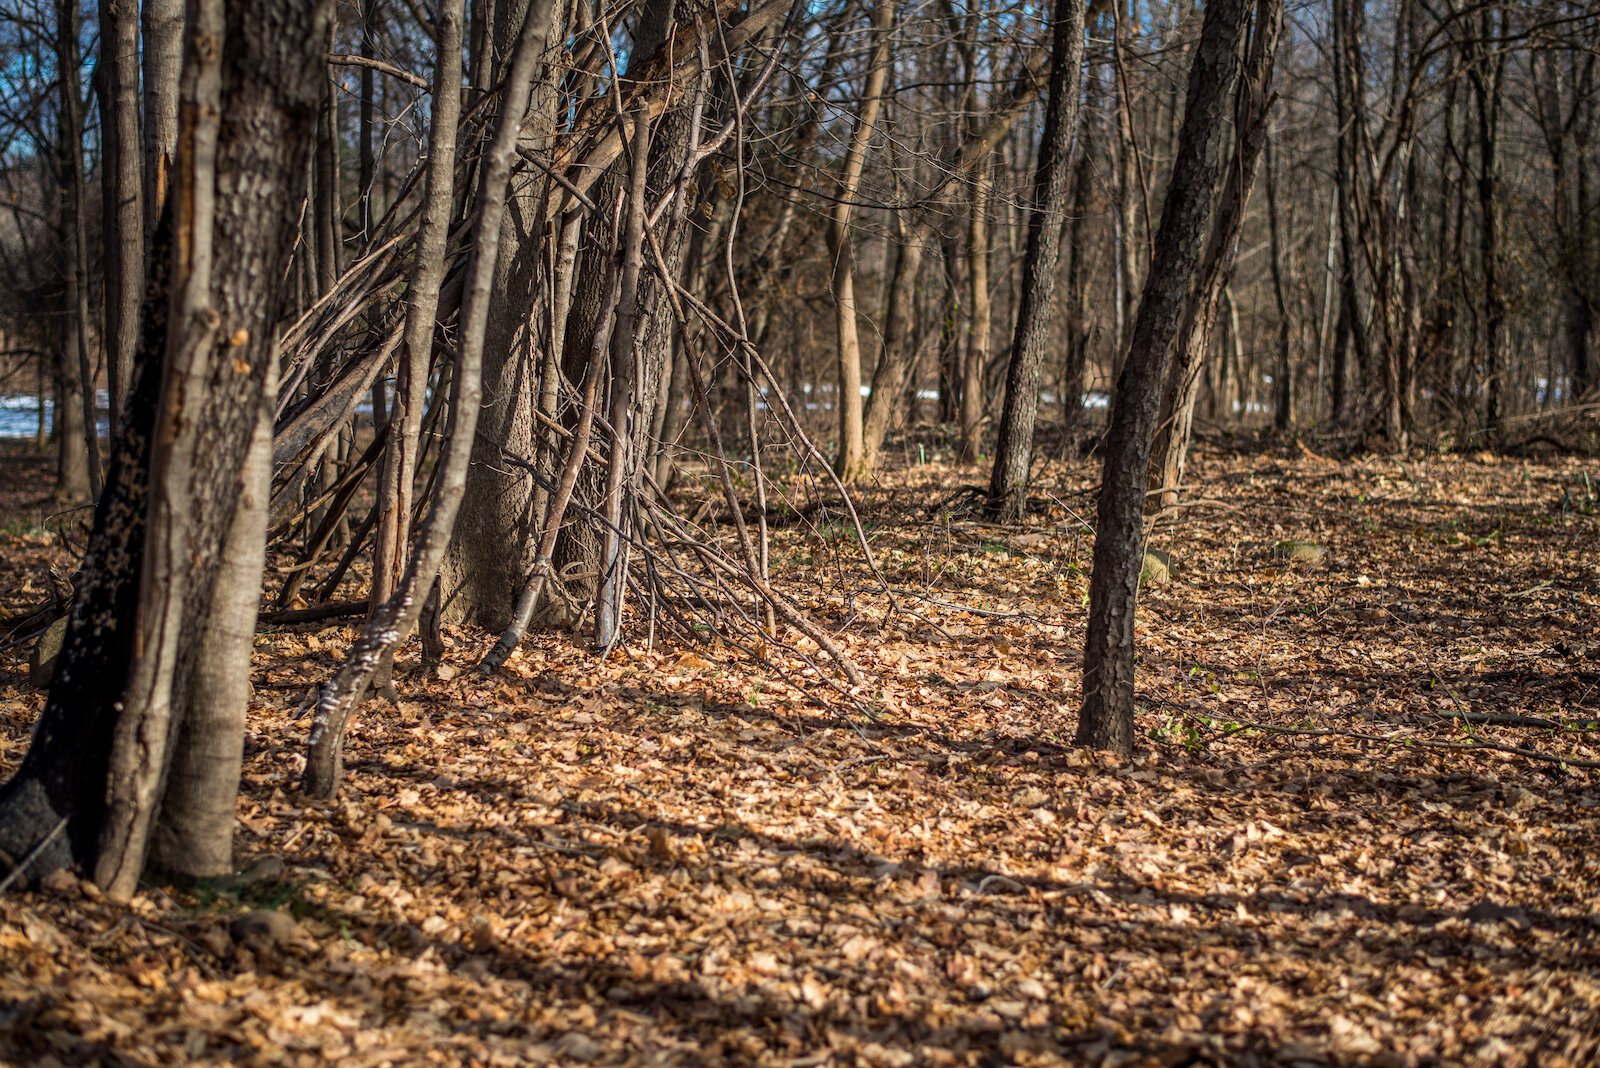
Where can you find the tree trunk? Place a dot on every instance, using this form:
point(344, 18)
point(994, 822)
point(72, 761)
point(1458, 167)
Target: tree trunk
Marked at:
point(1079, 328)
point(851, 458)
point(1216, 267)
point(122, 185)
point(162, 33)
point(980, 324)
point(1106, 721)
point(194, 836)
point(100, 754)
point(897, 356)
point(487, 563)
point(1008, 482)
point(402, 451)
point(73, 225)
point(1486, 78)
point(1283, 376)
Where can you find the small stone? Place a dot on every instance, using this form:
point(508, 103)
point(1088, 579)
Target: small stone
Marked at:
point(267, 927)
point(576, 1046)
point(60, 881)
point(1298, 552)
point(1157, 567)
point(42, 664)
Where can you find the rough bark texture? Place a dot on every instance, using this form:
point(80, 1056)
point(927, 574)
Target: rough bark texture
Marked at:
point(99, 755)
point(235, 221)
point(162, 32)
point(1008, 482)
point(1216, 265)
point(56, 800)
point(194, 835)
point(1106, 720)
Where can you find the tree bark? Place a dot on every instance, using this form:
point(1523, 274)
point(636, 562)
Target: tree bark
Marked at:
point(402, 451)
point(1008, 482)
point(122, 185)
point(1106, 720)
point(1251, 104)
point(1283, 376)
point(980, 323)
point(73, 225)
point(100, 754)
point(850, 462)
point(260, 65)
point(162, 55)
point(194, 835)
point(486, 562)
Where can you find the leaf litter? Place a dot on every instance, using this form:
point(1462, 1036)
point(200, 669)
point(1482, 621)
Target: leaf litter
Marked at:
point(676, 857)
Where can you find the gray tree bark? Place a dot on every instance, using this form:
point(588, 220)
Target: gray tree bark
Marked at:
point(1106, 719)
point(123, 191)
point(1036, 314)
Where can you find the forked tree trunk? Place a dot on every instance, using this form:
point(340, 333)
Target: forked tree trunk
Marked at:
point(1106, 720)
point(261, 65)
point(100, 755)
point(1216, 265)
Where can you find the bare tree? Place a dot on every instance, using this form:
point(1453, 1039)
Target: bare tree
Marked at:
point(1106, 720)
point(1008, 482)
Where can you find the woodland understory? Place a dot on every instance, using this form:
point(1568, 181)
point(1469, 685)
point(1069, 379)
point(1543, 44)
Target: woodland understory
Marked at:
point(1360, 827)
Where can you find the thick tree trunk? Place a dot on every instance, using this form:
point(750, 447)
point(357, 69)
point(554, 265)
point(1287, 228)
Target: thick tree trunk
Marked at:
point(235, 224)
point(487, 560)
point(1106, 721)
point(1008, 482)
point(100, 754)
point(194, 835)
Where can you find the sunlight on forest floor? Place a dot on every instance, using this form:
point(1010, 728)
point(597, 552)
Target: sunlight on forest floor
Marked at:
point(674, 857)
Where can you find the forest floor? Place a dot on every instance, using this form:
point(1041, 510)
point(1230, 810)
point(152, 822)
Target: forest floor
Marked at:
point(672, 856)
